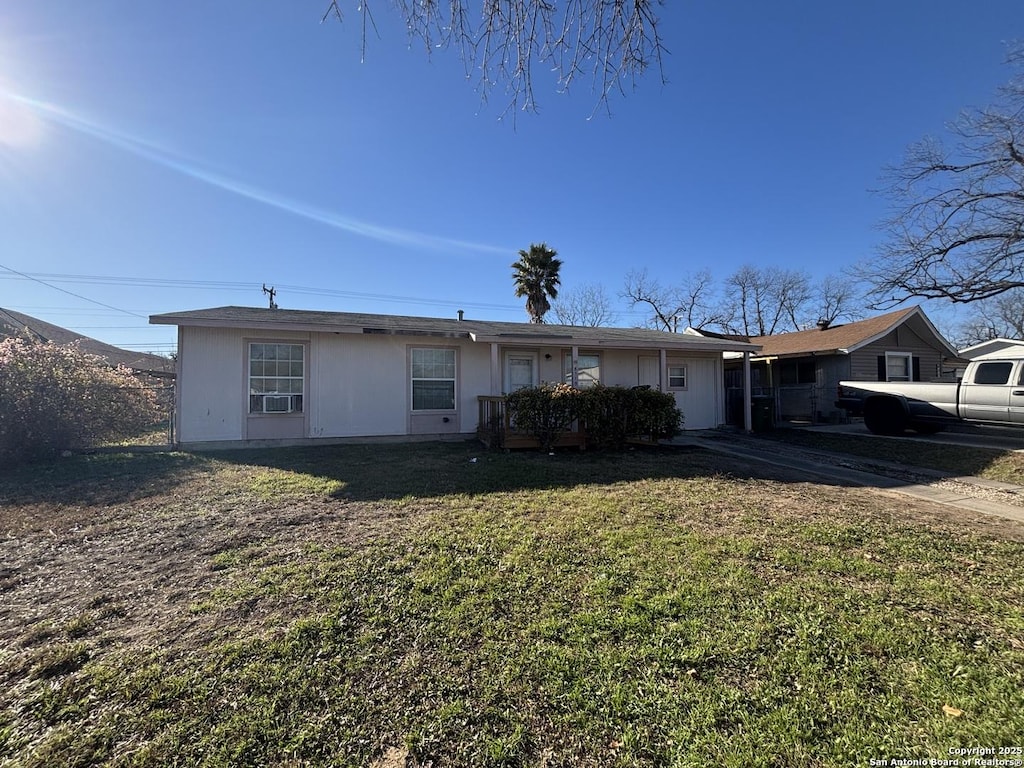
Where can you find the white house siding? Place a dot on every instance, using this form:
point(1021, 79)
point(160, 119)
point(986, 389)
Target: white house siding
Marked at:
point(474, 380)
point(620, 367)
point(358, 385)
point(702, 400)
point(211, 391)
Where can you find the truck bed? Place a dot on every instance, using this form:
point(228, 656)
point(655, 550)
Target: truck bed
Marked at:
point(935, 401)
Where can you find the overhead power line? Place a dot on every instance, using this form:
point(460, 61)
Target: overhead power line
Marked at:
point(70, 293)
point(153, 282)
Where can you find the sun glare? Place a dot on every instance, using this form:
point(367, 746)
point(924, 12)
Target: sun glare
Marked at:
point(20, 126)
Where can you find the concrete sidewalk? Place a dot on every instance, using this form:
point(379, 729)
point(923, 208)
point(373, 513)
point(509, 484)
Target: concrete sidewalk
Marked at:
point(973, 494)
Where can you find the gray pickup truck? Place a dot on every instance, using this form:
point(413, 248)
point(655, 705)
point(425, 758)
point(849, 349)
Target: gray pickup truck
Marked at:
point(990, 392)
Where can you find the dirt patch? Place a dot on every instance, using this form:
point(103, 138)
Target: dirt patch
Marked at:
point(139, 574)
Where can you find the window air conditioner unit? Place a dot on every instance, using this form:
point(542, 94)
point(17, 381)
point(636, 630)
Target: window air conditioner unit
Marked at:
point(277, 404)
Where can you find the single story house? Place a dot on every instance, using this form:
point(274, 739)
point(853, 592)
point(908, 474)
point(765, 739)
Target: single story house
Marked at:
point(994, 349)
point(251, 374)
point(801, 371)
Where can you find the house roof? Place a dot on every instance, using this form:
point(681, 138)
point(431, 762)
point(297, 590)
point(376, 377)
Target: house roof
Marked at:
point(843, 339)
point(14, 323)
point(993, 348)
point(475, 330)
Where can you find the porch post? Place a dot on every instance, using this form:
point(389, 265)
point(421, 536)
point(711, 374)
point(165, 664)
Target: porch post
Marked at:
point(748, 424)
point(662, 367)
point(495, 370)
point(575, 367)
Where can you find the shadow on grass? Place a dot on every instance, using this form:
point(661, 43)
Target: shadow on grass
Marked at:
point(424, 470)
point(99, 479)
point(369, 472)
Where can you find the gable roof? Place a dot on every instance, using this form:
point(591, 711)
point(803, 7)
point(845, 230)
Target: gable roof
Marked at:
point(843, 339)
point(541, 334)
point(15, 323)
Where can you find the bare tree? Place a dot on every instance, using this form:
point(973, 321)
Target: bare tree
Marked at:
point(766, 300)
point(610, 41)
point(1000, 317)
point(957, 228)
point(587, 305)
point(699, 304)
point(691, 303)
point(640, 288)
point(835, 298)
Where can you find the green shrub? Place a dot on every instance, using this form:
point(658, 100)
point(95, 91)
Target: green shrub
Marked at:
point(610, 415)
point(614, 414)
point(54, 398)
point(544, 412)
point(653, 414)
point(605, 411)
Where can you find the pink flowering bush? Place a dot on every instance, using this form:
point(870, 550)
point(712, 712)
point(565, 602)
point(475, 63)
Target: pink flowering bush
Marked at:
point(54, 398)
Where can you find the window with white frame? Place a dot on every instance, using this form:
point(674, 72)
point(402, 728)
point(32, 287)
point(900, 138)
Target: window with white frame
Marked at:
point(898, 366)
point(277, 375)
point(676, 376)
point(588, 369)
point(433, 379)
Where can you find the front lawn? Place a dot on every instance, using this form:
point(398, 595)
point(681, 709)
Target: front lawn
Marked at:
point(441, 605)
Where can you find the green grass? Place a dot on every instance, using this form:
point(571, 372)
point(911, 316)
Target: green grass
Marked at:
point(990, 463)
point(656, 608)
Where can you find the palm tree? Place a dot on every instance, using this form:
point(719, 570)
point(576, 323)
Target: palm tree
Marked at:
point(536, 278)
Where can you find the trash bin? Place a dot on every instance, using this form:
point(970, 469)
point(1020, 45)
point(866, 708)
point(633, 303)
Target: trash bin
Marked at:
point(762, 414)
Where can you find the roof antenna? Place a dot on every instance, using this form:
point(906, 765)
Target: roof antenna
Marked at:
point(271, 292)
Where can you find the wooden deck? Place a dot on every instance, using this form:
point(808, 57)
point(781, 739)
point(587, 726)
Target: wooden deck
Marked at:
point(495, 428)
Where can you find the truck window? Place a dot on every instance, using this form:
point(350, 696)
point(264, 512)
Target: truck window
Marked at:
point(992, 373)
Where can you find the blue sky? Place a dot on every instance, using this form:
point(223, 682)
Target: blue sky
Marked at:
point(168, 156)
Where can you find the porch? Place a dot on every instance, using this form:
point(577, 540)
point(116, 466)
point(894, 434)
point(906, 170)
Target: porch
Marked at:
point(496, 430)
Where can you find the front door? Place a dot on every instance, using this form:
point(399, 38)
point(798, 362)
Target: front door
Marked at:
point(520, 370)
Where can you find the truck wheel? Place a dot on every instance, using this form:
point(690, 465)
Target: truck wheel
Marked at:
point(884, 416)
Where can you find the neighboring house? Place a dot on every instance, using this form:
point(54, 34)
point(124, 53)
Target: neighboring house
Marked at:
point(15, 324)
point(248, 374)
point(801, 370)
point(994, 349)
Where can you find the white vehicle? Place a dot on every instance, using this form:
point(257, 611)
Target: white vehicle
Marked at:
point(990, 392)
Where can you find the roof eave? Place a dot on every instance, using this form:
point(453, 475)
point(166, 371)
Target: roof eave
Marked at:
point(590, 340)
point(567, 340)
point(804, 353)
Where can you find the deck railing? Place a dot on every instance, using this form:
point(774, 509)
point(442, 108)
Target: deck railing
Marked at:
point(496, 430)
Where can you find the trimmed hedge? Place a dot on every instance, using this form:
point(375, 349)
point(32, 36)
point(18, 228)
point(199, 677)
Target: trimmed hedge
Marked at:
point(610, 415)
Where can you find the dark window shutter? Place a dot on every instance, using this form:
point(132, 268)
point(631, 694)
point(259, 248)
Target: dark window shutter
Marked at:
point(881, 368)
point(917, 368)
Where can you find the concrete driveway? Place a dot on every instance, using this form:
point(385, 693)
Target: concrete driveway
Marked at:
point(971, 494)
point(975, 436)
